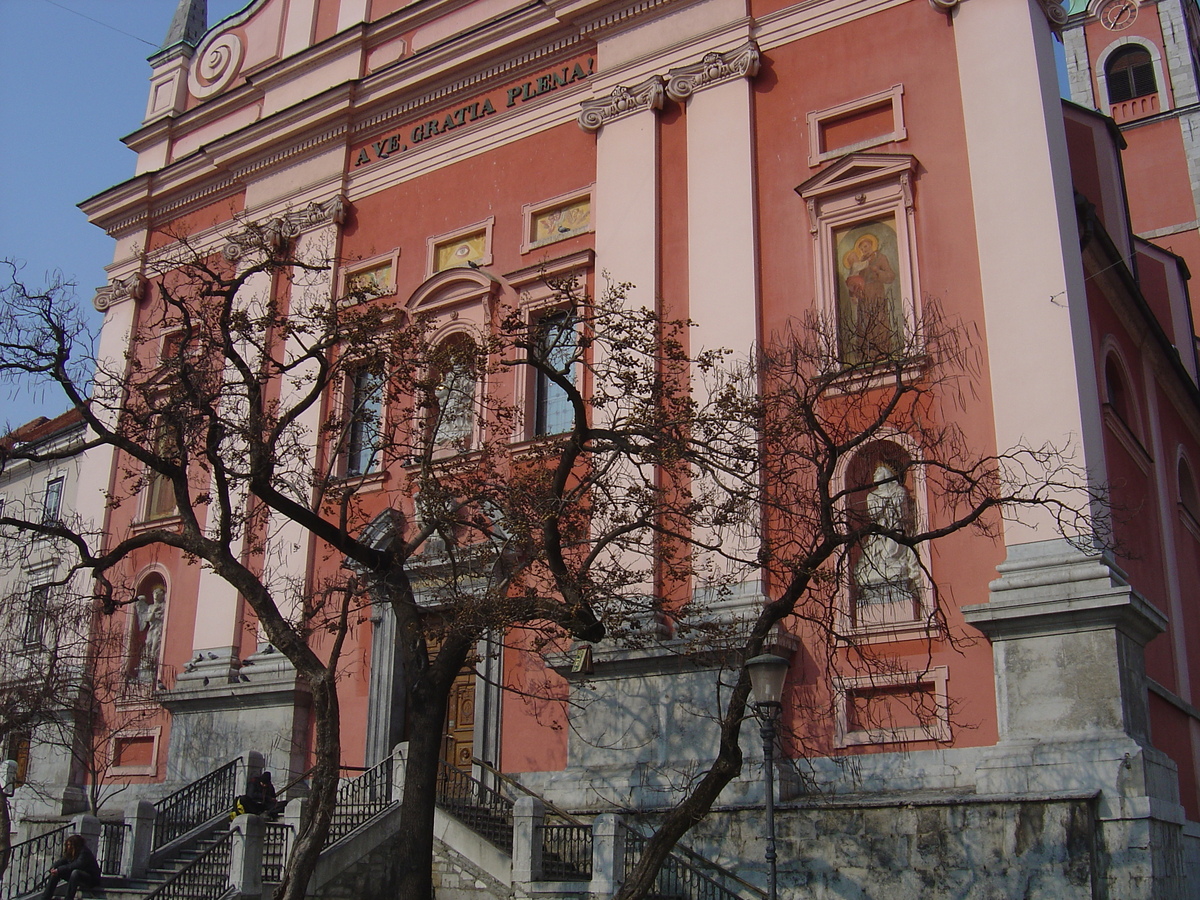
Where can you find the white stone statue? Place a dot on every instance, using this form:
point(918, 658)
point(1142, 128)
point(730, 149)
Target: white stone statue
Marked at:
point(149, 618)
point(887, 571)
point(456, 400)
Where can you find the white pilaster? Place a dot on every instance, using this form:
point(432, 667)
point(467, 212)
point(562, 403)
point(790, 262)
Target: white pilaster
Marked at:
point(298, 27)
point(627, 204)
point(1039, 345)
point(722, 240)
point(351, 12)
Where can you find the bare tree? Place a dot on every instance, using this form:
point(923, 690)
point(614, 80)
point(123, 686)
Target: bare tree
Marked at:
point(44, 656)
point(862, 466)
point(671, 476)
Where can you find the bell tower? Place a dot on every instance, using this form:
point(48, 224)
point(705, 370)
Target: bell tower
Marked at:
point(1138, 61)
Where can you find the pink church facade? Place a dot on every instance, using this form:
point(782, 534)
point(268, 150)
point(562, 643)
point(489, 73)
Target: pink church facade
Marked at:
point(743, 163)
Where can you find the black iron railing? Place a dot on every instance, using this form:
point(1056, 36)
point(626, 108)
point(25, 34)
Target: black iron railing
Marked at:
point(30, 862)
point(193, 805)
point(205, 877)
point(112, 846)
point(566, 851)
point(482, 808)
point(677, 877)
point(277, 837)
point(361, 799)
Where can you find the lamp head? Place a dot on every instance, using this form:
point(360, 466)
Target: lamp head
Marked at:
point(767, 674)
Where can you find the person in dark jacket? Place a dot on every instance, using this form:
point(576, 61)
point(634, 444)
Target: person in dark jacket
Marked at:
point(78, 867)
point(260, 797)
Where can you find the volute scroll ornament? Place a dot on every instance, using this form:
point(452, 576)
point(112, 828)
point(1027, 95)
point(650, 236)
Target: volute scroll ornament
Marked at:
point(1055, 10)
point(623, 101)
point(132, 287)
point(278, 231)
point(715, 67)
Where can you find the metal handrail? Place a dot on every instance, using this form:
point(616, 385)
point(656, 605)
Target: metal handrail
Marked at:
point(679, 848)
point(277, 838)
point(112, 846)
point(194, 804)
point(677, 877)
point(480, 807)
point(513, 783)
point(29, 862)
point(566, 852)
point(204, 877)
point(361, 799)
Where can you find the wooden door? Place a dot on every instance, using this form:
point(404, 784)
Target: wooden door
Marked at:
point(458, 737)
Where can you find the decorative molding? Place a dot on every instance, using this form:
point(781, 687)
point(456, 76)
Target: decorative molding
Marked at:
point(132, 287)
point(216, 65)
point(714, 68)
point(283, 228)
point(623, 101)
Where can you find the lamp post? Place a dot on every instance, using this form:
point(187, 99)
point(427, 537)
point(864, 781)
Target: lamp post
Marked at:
point(767, 673)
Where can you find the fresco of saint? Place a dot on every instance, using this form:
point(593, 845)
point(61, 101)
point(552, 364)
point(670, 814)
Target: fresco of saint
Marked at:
point(870, 314)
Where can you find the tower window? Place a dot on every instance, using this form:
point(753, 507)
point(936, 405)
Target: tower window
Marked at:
point(1130, 74)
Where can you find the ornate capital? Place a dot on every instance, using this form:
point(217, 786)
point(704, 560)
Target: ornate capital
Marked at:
point(715, 67)
point(623, 101)
point(278, 231)
point(1055, 10)
point(132, 287)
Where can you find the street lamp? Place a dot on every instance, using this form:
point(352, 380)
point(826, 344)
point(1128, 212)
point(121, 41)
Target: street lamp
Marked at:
point(767, 673)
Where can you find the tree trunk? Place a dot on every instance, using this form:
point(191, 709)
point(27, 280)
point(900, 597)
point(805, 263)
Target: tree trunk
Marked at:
point(323, 798)
point(429, 693)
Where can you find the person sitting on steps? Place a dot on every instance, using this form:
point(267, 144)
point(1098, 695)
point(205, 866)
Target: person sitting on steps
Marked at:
point(78, 867)
point(260, 798)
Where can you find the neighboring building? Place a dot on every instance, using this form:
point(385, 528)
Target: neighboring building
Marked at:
point(1137, 61)
point(36, 612)
point(729, 157)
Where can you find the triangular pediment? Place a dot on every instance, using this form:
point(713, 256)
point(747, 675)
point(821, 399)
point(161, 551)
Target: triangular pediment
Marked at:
point(855, 170)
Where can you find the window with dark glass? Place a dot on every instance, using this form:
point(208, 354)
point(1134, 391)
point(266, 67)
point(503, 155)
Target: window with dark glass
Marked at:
point(365, 409)
point(16, 747)
point(35, 614)
point(52, 502)
point(556, 347)
point(160, 492)
point(1130, 73)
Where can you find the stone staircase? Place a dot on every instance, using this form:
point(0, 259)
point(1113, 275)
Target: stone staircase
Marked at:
point(494, 837)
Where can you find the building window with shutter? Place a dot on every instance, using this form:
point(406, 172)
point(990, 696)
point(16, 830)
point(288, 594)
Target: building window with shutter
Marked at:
point(1130, 74)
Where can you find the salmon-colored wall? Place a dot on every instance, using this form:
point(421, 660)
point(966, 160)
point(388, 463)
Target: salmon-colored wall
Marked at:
point(786, 90)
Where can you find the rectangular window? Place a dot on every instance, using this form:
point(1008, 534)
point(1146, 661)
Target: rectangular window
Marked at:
point(556, 347)
point(52, 502)
point(35, 615)
point(160, 492)
point(364, 408)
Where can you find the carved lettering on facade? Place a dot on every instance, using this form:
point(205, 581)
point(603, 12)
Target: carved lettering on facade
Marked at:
point(623, 101)
point(713, 69)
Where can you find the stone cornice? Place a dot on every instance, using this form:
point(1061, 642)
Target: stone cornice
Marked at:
point(623, 101)
point(714, 68)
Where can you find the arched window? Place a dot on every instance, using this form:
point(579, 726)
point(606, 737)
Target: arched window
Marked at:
point(1116, 390)
point(1129, 73)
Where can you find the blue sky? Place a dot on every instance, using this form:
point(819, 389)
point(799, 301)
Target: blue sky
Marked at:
point(73, 81)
